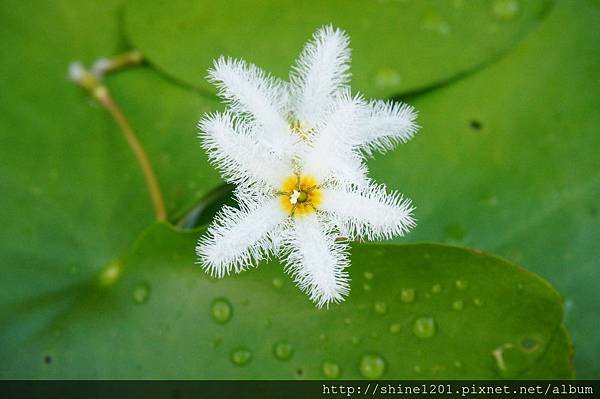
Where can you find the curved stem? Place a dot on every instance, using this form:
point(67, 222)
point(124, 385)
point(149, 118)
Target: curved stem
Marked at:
point(92, 84)
point(140, 155)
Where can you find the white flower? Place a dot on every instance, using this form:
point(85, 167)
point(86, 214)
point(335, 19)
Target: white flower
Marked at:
point(295, 151)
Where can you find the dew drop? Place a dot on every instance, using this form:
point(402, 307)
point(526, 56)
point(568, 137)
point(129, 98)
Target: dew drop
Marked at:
point(241, 356)
point(461, 285)
point(457, 364)
point(110, 273)
point(277, 282)
point(436, 289)
point(395, 328)
point(141, 293)
point(505, 9)
point(417, 369)
point(424, 327)
point(331, 370)
point(355, 340)
point(283, 350)
point(458, 304)
point(367, 287)
point(435, 23)
point(347, 321)
point(372, 366)
point(221, 310)
point(407, 295)
point(529, 344)
point(478, 302)
point(368, 275)
point(380, 307)
point(387, 77)
point(323, 337)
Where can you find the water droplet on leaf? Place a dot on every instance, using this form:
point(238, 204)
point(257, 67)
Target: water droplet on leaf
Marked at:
point(529, 344)
point(505, 9)
point(277, 282)
point(424, 327)
point(331, 370)
point(241, 356)
point(141, 293)
point(395, 328)
point(458, 304)
point(407, 295)
point(283, 350)
point(435, 23)
point(436, 289)
point(461, 285)
point(380, 307)
point(388, 77)
point(372, 366)
point(221, 310)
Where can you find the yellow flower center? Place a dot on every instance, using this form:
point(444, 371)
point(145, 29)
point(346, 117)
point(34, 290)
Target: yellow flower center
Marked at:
point(300, 195)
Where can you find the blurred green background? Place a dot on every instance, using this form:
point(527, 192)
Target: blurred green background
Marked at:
point(506, 162)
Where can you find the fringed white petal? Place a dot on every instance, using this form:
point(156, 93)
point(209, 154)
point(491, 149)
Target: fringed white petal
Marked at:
point(251, 93)
point(368, 212)
point(331, 153)
point(239, 238)
point(234, 150)
point(388, 124)
point(316, 261)
point(321, 71)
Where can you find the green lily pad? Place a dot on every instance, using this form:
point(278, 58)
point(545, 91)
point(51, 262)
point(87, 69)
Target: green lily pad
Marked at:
point(398, 46)
point(415, 311)
point(507, 161)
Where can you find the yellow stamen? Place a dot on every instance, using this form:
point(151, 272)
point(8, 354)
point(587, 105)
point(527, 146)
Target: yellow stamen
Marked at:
point(297, 128)
point(300, 195)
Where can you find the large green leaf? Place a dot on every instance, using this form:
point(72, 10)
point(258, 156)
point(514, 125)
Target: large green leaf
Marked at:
point(398, 46)
point(415, 311)
point(507, 161)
